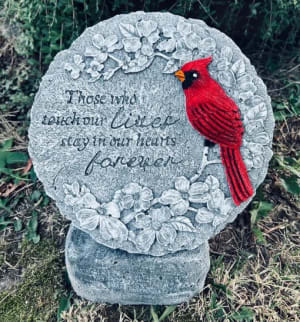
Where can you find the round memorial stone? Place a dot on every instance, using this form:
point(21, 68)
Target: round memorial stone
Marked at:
point(112, 144)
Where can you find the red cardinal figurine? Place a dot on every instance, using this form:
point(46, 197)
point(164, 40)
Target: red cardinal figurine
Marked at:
point(215, 116)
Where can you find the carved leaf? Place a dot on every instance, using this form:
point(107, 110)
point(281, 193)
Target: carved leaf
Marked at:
point(261, 138)
point(111, 228)
point(256, 126)
point(239, 68)
point(127, 30)
point(182, 184)
point(204, 216)
point(137, 68)
point(248, 87)
point(181, 223)
point(145, 239)
point(258, 112)
point(226, 53)
point(88, 218)
point(166, 235)
point(226, 78)
point(171, 67)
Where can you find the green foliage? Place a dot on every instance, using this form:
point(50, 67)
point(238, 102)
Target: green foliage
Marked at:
point(259, 211)
point(48, 26)
point(168, 310)
point(31, 229)
point(64, 305)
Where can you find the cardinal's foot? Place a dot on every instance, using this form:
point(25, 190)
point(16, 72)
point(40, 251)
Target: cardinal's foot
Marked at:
point(208, 143)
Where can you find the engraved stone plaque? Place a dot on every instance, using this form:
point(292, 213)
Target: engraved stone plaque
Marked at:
point(111, 141)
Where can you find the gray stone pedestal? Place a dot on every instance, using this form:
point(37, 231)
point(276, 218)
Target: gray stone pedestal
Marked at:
point(102, 274)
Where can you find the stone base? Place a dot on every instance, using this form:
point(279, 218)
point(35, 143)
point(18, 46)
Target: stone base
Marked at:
point(102, 274)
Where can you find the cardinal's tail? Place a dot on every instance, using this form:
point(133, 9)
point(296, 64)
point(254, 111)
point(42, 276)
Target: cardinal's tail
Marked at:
point(237, 175)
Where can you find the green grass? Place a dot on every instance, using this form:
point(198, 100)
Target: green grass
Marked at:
point(255, 261)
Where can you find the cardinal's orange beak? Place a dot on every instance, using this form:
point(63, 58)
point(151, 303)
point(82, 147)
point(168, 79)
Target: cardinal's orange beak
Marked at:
point(180, 75)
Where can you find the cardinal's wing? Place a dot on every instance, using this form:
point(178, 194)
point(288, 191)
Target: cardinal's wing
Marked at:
point(218, 120)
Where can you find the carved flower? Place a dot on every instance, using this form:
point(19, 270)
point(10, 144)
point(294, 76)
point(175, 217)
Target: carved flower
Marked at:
point(102, 47)
point(253, 154)
point(177, 36)
point(215, 215)
point(76, 67)
point(79, 196)
point(95, 68)
point(107, 218)
point(141, 37)
point(159, 224)
point(134, 196)
point(179, 198)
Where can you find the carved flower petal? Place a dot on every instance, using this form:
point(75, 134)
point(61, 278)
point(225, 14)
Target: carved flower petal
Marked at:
point(166, 235)
point(198, 188)
point(146, 194)
point(184, 28)
point(141, 205)
point(131, 44)
point(182, 184)
point(75, 73)
point(101, 57)
point(91, 52)
point(126, 201)
point(219, 220)
point(201, 198)
point(111, 228)
point(204, 216)
point(96, 65)
point(160, 215)
point(167, 45)
point(112, 209)
point(88, 218)
point(212, 182)
point(147, 49)
point(168, 30)
point(146, 27)
point(98, 41)
point(217, 199)
point(89, 201)
point(153, 38)
point(180, 208)
point(142, 221)
point(110, 40)
point(145, 239)
point(132, 188)
point(68, 67)
point(170, 197)
point(78, 59)
point(227, 206)
point(192, 41)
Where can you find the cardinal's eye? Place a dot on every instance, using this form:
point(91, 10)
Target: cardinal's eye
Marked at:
point(195, 75)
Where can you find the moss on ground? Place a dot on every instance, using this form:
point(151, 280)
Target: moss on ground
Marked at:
point(36, 297)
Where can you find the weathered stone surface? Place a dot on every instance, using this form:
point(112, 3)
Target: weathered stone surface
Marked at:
point(111, 142)
point(102, 274)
